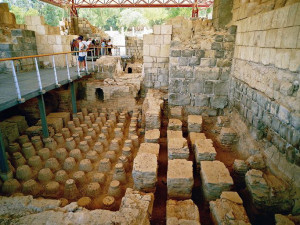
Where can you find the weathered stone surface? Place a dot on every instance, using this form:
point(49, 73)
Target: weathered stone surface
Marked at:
point(228, 209)
point(174, 134)
point(268, 192)
point(240, 167)
point(283, 220)
point(256, 162)
point(144, 172)
point(180, 179)
point(174, 124)
point(178, 148)
point(152, 136)
point(182, 212)
point(204, 151)
point(195, 123)
point(152, 148)
point(215, 178)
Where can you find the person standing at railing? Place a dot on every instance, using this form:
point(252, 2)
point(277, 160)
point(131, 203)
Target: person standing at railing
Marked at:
point(103, 45)
point(82, 53)
point(109, 47)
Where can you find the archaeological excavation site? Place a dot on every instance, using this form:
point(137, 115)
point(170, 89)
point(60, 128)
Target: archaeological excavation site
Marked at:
point(194, 119)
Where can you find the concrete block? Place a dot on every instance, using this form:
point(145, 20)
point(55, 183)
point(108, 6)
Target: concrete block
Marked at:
point(180, 179)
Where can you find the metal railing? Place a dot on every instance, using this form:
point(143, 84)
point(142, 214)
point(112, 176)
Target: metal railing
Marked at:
point(35, 57)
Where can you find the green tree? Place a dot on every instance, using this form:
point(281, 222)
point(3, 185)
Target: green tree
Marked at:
point(132, 18)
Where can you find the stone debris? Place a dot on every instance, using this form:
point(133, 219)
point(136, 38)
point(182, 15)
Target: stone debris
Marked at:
point(136, 209)
point(182, 212)
point(228, 209)
point(152, 148)
point(268, 192)
point(215, 179)
point(180, 178)
point(204, 151)
point(175, 124)
point(240, 167)
point(195, 123)
point(152, 136)
point(178, 148)
point(144, 172)
point(228, 136)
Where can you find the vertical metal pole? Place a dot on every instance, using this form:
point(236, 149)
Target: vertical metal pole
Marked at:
point(16, 80)
point(73, 97)
point(3, 159)
point(38, 75)
point(86, 65)
point(68, 70)
point(78, 69)
point(93, 66)
point(54, 68)
point(43, 115)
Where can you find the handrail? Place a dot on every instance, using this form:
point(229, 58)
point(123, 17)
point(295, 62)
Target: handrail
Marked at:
point(43, 55)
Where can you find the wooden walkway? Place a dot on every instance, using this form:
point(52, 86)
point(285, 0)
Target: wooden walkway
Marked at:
point(28, 83)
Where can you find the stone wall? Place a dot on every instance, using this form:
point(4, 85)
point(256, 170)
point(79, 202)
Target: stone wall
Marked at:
point(156, 49)
point(49, 40)
point(15, 42)
point(134, 47)
point(222, 13)
point(265, 82)
point(200, 66)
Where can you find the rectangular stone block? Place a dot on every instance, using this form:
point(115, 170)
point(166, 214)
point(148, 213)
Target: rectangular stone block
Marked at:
point(152, 136)
point(166, 29)
point(194, 136)
point(164, 51)
point(176, 112)
point(155, 51)
point(152, 148)
point(204, 151)
point(182, 212)
point(180, 179)
point(157, 29)
point(194, 123)
point(215, 179)
point(174, 134)
point(178, 148)
point(175, 124)
point(144, 172)
point(167, 39)
point(148, 39)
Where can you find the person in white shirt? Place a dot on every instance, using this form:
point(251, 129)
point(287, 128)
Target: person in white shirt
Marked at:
point(82, 53)
point(109, 46)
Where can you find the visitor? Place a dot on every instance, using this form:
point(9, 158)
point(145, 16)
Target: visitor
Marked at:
point(103, 45)
point(82, 53)
point(109, 47)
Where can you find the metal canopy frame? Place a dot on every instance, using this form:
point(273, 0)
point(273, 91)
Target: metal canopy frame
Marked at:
point(129, 3)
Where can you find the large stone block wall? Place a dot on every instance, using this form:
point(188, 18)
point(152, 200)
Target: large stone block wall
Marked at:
point(49, 40)
point(200, 68)
point(222, 13)
point(156, 49)
point(134, 47)
point(265, 82)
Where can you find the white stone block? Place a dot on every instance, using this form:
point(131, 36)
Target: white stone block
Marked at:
point(215, 179)
point(148, 39)
point(144, 172)
point(194, 123)
point(178, 148)
point(166, 29)
point(146, 50)
point(152, 148)
point(158, 39)
point(156, 29)
point(167, 39)
point(165, 51)
point(180, 179)
point(155, 50)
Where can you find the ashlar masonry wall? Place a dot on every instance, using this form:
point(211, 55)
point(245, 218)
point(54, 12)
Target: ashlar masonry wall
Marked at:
point(156, 49)
point(134, 47)
point(265, 82)
point(200, 61)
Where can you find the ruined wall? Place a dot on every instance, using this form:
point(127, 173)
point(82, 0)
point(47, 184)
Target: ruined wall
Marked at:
point(134, 47)
point(222, 13)
point(49, 40)
point(15, 42)
point(156, 49)
point(200, 60)
point(265, 81)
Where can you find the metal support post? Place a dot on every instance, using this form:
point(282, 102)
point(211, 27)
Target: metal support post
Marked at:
point(73, 98)
point(39, 76)
point(55, 73)
point(78, 69)
point(86, 65)
point(93, 66)
point(3, 159)
point(43, 115)
point(20, 99)
point(68, 70)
